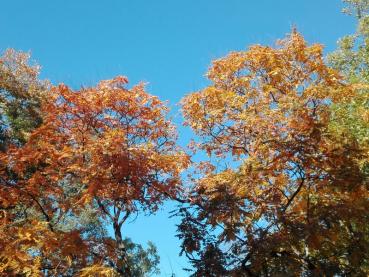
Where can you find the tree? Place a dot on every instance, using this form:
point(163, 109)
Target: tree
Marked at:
point(282, 194)
point(352, 60)
point(21, 96)
point(107, 152)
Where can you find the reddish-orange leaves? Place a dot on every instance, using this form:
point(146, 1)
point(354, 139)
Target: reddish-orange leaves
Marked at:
point(108, 148)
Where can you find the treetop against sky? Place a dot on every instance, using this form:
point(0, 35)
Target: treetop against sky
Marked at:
point(92, 165)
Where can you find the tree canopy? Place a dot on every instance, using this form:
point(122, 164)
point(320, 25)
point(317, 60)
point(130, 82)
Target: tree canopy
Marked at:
point(294, 201)
point(280, 189)
point(100, 155)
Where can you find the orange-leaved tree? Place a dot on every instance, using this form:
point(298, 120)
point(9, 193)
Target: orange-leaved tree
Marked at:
point(282, 195)
point(107, 148)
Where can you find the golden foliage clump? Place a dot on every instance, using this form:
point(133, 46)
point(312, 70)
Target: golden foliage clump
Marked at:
point(295, 197)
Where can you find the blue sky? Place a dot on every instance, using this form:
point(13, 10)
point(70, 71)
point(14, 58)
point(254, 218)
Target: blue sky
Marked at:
point(167, 43)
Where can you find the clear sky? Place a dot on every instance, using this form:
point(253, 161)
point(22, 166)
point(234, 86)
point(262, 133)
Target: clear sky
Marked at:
point(168, 43)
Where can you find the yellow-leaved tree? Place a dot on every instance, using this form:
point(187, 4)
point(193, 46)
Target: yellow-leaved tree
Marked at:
point(281, 195)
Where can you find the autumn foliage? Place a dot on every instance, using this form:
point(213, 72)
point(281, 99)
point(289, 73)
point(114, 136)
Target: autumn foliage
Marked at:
point(280, 189)
point(107, 148)
point(292, 199)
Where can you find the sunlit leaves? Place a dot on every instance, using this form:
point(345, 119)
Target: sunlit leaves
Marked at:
point(21, 95)
point(269, 109)
point(101, 155)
